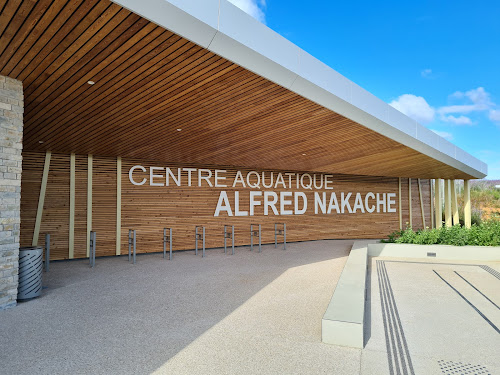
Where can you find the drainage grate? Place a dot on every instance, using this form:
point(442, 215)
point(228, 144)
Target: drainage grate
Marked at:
point(450, 367)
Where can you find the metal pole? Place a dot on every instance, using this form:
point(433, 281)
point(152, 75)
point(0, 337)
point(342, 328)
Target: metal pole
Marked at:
point(284, 236)
point(203, 255)
point(47, 252)
point(225, 238)
point(251, 237)
point(164, 243)
point(90, 249)
point(129, 245)
point(232, 235)
point(275, 235)
point(134, 245)
point(93, 248)
point(196, 240)
point(260, 239)
point(170, 243)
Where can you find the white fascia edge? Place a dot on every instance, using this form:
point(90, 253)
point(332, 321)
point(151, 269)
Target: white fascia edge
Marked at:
point(224, 29)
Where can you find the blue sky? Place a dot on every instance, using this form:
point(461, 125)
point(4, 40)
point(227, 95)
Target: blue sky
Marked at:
point(436, 61)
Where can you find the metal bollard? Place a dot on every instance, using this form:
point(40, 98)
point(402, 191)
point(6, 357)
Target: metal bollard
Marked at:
point(228, 235)
point(254, 233)
point(129, 244)
point(165, 240)
point(92, 245)
point(199, 236)
point(47, 252)
point(279, 232)
point(134, 244)
point(284, 236)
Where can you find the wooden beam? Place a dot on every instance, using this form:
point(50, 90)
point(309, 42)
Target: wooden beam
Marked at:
point(41, 199)
point(89, 200)
point(447, 204)
point(467, 204)
point(431, 187)
point(409, 203)
point(400, 211)
point(118, 204)
point(71, 239)
point(421, 203)
point(454, 203)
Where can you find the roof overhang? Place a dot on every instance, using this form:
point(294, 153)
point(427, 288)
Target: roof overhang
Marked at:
point(244, 95)
point(224, 29)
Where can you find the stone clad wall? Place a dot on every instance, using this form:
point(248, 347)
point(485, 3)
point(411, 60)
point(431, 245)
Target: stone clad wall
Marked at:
point(11, 138)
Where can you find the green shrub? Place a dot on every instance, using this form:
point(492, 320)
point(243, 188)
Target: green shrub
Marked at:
point(486, 233)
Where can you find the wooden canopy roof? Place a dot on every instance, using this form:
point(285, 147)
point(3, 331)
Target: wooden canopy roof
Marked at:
point(159, 96)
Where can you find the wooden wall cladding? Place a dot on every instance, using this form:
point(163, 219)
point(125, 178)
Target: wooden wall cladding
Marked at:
point(149, 209)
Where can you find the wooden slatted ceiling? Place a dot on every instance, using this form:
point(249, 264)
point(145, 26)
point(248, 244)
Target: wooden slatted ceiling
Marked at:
point(150, 82)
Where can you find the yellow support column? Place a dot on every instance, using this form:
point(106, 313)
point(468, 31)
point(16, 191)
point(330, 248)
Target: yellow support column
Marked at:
point(467, 204)
point(431, 185)
point(118, 204)
point(409, 203)
point(89, 201)
point(71, 240)
point(400, 212)
point(454, 203)
point(439, 203)
point(447, 204)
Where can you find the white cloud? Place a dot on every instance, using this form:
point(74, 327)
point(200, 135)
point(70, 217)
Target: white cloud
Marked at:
point(460, 120)
point(445, 135)
point(494, 115)
point(255, 8)
point(415, 107)
point(426, 73)
point(479, 97)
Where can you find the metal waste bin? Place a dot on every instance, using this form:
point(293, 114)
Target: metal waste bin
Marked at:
point(30, 272)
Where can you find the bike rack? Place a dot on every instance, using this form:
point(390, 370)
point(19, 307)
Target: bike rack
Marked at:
point(165, 240)
point(255, 233)
point(47, 251)
point(279, 232)
point(131, 243)
point(228, 235)
point(199, 236)
point(92, 249)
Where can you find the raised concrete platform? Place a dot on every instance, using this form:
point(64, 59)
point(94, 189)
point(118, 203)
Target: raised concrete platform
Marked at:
point(400, 250)
point(343, 321)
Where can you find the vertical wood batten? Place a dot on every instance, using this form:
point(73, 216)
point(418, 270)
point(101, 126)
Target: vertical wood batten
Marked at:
point(89, 200)
point(467, 204)
point(447, 203)
point(118, 204)
point(439, 204)
point(41, 199)
point(409, 203)
point(454, 203)
point(400, 208)
point(71, 239)
point(421, 203)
